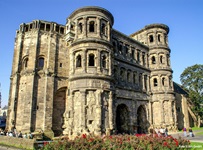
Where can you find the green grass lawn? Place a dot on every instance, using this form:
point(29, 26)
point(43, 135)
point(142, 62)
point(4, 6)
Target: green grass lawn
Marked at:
point(196, 128)
point(196, 145)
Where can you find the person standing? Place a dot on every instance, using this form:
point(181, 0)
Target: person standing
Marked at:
point(184, 131)
point(190, 132)
point(166, 131)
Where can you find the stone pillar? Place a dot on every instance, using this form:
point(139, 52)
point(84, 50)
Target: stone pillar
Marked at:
point(109, 31)
point(98, 27)
point(76, 29)
point(84, 61)
point(85, 26)
point(83, 104)
point(98, 62)
point(110, 110)
point(109, 64)
point(98, 114)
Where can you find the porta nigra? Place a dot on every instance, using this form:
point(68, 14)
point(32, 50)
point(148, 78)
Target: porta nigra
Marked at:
point(87, 77)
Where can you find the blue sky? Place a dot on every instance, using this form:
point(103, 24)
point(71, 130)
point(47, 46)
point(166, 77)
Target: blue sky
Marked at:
point(184, 18)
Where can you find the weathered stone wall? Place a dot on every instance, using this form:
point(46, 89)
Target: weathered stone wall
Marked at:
point(17, 142)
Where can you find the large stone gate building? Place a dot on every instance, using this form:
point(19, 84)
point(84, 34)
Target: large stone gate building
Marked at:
point(86, 77)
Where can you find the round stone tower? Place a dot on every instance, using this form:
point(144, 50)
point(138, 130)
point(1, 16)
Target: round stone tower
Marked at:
point(89, 105)
point(155, 36)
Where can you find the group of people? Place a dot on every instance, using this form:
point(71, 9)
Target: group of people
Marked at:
point(14, 133)
point(161, 131)
point(190, 132)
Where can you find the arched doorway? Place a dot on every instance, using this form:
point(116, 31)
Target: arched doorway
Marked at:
point(142, 120)
point(58, 111)
point(122, 119)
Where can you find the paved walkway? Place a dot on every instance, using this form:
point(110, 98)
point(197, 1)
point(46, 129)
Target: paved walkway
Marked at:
point(196, 138)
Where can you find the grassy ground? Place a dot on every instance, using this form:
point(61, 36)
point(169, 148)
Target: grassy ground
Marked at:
point(196, 145)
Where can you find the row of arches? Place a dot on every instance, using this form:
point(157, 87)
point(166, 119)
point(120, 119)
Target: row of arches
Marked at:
point(92, 25)
point(164, 81)
point(130, 52)
point(123, 117)
point(159, 38)
point(160, 59)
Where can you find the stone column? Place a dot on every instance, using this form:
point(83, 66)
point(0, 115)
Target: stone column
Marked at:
point(76, 29)
point(84, 61)
point(83, 115)
point(98, 62)
point(98, 27)
point(85, 26)
point(98, 114)
point(109, 31)
point(110, 110)
point(162, 111)
point(109, 63)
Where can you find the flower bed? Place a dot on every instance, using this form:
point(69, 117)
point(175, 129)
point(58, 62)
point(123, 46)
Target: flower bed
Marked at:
point(118, 142)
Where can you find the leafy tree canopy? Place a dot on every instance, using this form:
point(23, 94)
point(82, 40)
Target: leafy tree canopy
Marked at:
point(192, 80)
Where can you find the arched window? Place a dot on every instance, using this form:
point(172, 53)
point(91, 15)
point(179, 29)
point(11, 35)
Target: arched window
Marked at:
point(155, 82)
point(163, 81)
point(159, 38)
point(91, 26)
point(128, 76)
point(103, 61)
point(80, 27)
point(25, 63)
point(161, 59)
point(41, 63)
point(151, 38)
point(138, 56)
point(103, 28)
point(78, 61)
point(122, 75)
point(153, 60)
point(134, 78)
point(91, 59)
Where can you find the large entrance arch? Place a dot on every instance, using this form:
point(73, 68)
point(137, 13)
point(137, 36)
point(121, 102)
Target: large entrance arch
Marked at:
point(142, 120)
point(122, 119)
point(58, 111)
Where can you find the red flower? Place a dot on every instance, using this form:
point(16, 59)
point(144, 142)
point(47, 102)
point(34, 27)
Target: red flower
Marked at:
point(165, 144)
point(45, 143)
point(84, 136)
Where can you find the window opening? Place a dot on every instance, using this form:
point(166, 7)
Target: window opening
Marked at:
point(151, 38)
point(159, 37)
point(91, 26)
point(91, 60)
point(78, 61)
point(80, 27)
point(161, 59)
point(41, 63)
point(103, 28)
point(163, 81)
point(103, 61)
point(134, 77)
point(42, 25)
point(60, 65)
point(138, 56)
point(133, 54)
point(153, 60)
point(62, 30)
point(25, 63)
point(47, 27)
point(57, 28)
point(155, 82)
point(122, 75)
point(128, 76)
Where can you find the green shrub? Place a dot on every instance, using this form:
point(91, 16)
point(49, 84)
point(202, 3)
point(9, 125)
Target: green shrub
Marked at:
point(118, 142)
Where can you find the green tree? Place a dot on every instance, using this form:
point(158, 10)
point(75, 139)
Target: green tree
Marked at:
point(192, 81)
